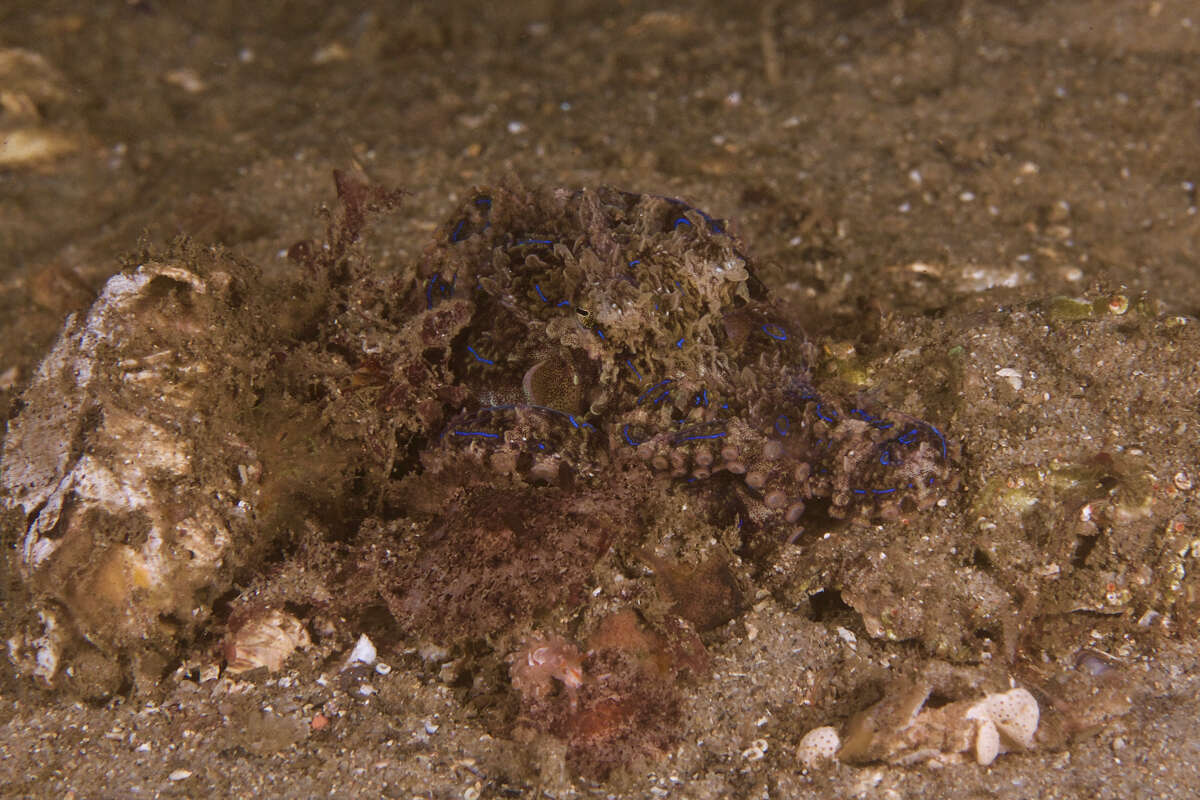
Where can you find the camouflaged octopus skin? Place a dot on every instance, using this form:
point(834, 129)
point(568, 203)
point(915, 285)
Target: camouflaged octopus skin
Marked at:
point(597, 328)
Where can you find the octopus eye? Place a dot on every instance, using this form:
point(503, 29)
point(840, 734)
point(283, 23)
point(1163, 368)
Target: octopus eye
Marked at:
point(554, 383)
point(583, 313)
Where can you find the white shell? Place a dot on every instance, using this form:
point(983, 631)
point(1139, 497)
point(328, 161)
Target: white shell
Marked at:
point(363, 652)
point(1014, 713)
point(818, 746)
point(987, 743)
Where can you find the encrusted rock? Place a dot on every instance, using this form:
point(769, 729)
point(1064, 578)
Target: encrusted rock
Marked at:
point(125, 473)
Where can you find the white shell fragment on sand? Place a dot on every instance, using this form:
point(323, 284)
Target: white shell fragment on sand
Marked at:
point(819, 746)
point(363, 652)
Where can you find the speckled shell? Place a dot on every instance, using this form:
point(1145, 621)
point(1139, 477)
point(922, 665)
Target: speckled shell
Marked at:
point(130, 510)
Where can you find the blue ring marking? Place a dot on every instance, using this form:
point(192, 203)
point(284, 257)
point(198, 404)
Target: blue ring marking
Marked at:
point(479, 357)
point(876, 422)
point(885, 458)
point(679, 344)
point(457, 230)
point(821, 414)
point(562, 303)
point(533, 241)
point(775, 332)
point(628, 438)
point(436, 282)
point(662, 397)
point(712, 223)
point(635, 262)
point(702, 398)
point(720, 435)
point(725, 406)
point(541, 445)
point(646, 393)
point(484, 434)
point(941, 438)
point(588, 425)
point(571, 419)
point(859, 491)
point(429, 291)
point(908, 437)
point(536, 407)
point(681, 221)
point(600, 333)
point(483, 202)
point(632, 367)
point(783, 429)
point(885, 491)
point(538, 289)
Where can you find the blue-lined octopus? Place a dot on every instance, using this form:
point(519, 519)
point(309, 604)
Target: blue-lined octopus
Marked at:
point(595, 330)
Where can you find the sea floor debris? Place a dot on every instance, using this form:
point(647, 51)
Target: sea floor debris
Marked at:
point(566, 450)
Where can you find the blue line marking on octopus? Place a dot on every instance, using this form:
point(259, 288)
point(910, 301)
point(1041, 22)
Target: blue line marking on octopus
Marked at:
point(573, 288)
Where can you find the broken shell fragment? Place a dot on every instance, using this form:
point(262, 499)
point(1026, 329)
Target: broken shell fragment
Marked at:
point(363, 652)
point(264, 639)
